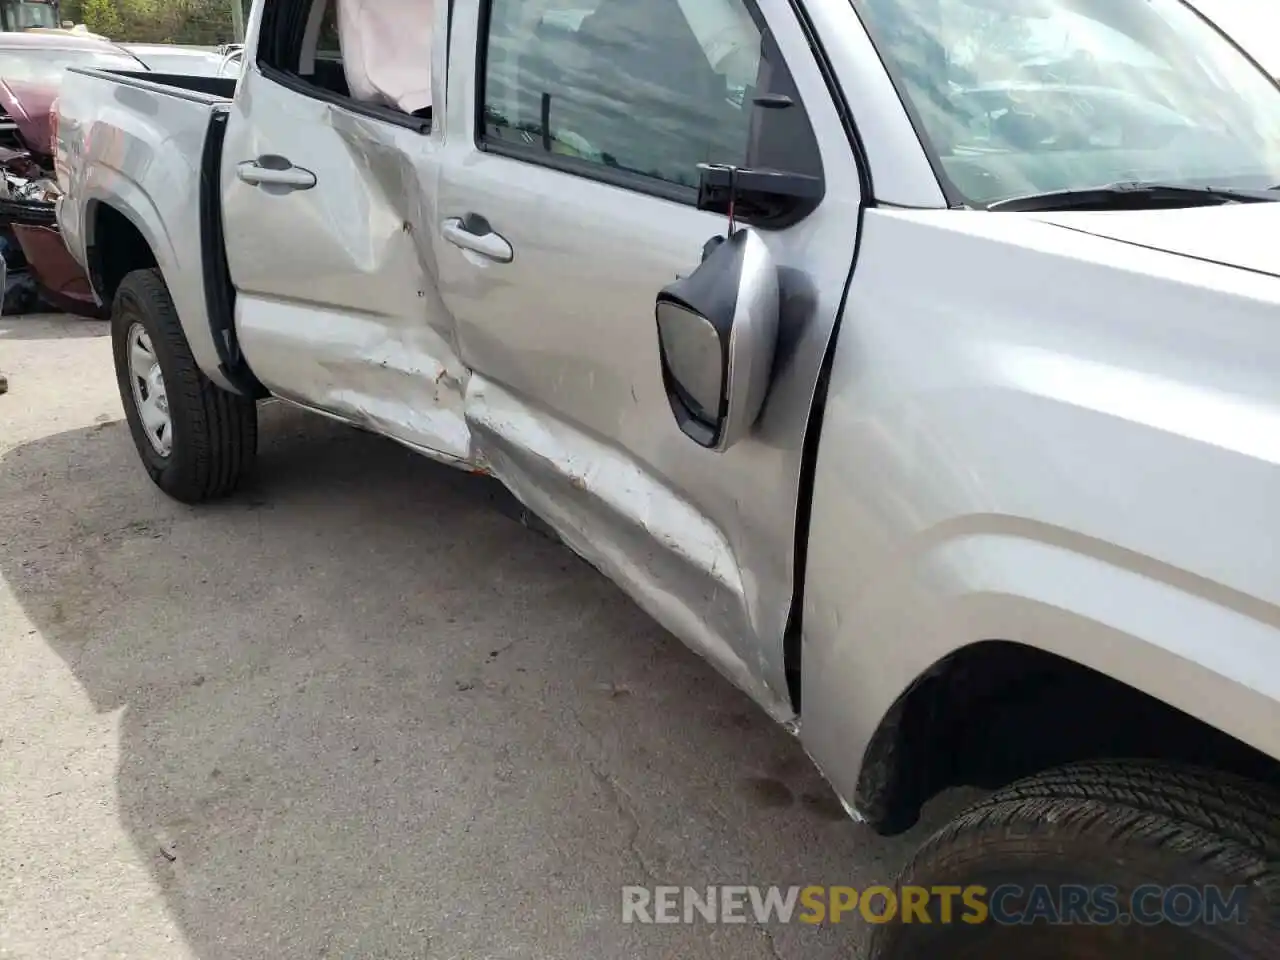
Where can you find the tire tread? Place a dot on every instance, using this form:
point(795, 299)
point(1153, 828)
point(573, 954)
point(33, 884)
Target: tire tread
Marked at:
point(1120, 818)
point(1240, 809)
point(221, 435)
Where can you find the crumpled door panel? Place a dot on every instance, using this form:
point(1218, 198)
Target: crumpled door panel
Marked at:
point(348, 319)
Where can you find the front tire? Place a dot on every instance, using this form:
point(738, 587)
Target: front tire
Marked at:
point(1136, 828)
point(196, 440)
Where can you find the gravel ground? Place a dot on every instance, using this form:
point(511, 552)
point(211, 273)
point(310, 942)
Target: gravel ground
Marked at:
point(357, 711)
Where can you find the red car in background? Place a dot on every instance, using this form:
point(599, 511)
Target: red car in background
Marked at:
point(31, 69)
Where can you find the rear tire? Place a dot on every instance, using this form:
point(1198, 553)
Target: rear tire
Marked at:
point(196, 440)
point(1123, 825)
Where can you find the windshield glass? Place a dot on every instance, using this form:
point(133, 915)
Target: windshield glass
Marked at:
point(1254, 24)
point(45, 67)
point(1029, 96)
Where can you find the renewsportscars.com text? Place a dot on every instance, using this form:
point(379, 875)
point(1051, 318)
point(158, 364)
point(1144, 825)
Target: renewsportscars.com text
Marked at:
point(1064, 904)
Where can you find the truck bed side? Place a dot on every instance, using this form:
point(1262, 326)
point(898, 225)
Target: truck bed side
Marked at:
point(132, 151)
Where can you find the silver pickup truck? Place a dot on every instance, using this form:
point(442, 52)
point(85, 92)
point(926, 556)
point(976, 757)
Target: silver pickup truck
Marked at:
point(915, 361)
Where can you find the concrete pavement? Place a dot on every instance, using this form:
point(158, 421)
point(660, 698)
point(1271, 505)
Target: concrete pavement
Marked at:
point(357, 711)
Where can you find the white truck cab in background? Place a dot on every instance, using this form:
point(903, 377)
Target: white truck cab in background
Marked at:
point(914, 361)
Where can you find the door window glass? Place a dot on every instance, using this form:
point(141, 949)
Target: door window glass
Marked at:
point(643, 87)
point(328, 46)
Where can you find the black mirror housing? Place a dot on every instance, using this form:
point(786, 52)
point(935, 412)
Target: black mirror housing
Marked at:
point(769, 199)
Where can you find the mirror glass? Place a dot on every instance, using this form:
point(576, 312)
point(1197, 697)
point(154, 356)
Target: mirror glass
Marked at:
point(692, 351)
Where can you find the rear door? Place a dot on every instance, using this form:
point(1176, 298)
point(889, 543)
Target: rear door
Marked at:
point(326, 204)
point(566, 203)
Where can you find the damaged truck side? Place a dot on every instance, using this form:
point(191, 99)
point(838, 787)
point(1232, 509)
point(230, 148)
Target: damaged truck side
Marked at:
point(838, 334)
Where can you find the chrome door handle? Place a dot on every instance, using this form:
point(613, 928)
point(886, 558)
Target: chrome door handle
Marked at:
point(474, 233)
point(275, 172)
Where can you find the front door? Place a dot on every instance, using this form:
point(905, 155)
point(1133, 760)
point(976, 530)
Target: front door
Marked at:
point(565, 210)
point(327, 206)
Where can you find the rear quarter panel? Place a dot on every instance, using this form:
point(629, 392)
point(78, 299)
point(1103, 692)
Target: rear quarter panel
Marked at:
point(136, 146)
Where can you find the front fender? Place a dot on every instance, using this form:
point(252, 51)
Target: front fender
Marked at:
point(1199, 649)
point(1064, 472)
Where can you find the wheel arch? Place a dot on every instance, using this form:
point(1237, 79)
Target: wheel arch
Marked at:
point(994, 712)
point(1030, 655)
point(116, 246)
point(124, 231)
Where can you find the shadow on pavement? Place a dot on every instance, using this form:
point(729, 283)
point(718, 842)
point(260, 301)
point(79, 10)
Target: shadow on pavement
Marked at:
point(55, 326)
point(367, 714)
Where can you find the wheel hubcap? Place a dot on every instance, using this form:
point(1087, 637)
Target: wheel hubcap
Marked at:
point(149, 396)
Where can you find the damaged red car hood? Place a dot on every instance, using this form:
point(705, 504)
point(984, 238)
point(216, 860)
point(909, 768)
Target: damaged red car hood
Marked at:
point(27, 105)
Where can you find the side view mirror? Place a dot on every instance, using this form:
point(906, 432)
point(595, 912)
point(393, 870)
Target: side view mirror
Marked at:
point(717, 333)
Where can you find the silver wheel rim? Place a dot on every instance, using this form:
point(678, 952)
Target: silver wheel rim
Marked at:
point(149, 396)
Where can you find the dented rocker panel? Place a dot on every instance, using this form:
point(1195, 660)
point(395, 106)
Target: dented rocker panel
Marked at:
point(636, 530)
